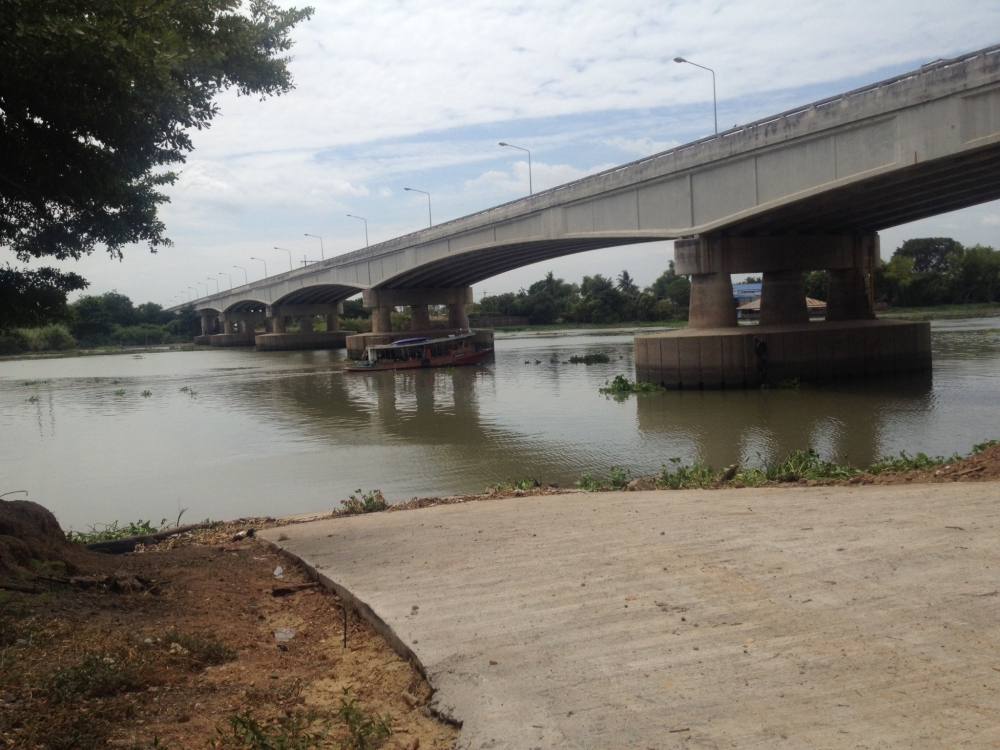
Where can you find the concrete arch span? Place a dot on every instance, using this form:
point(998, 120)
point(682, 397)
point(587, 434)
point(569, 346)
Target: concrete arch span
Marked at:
point(480, 263)
point(318, 294)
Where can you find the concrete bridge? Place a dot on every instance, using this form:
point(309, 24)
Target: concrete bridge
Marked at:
point(805, 189)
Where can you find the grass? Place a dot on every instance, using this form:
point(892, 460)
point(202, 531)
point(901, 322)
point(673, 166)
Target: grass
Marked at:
point(905, 462)
point(96, 676)
point(943, 312)
point(288, 733)
point(365, 731)
point(514, 485)
point(677, 476)
point(980, 447)
point(110, 531)
point(199, 650)
point(372, 501)
point(617, 479)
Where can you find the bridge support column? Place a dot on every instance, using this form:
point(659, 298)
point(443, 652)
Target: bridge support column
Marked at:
point(332, 322)
point(276, 323)
point(783, 298)
point(306, 324)
point(382, 319)
point(420, 318)
point(228, 324)
point(208, 320)
point(381, 302)
point(712, 304)
point(457, 316)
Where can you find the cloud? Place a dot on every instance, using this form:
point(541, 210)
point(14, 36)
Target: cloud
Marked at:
point(991, 220)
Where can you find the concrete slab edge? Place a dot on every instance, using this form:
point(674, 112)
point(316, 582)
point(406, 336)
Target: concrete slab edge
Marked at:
point(371, 617)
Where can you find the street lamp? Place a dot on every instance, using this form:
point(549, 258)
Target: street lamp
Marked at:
point(715, 103)
point(246, 279)
point(213, 278)
point(322, 255)
point(228, 276)
point(520, 148)
point(262, 261)
point(362, 218)
point(430, 222)
point(285, 249)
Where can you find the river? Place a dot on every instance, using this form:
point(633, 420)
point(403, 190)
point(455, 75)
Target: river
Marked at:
point(229, 433)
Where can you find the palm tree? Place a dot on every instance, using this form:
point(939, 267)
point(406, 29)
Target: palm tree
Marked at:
point(626, 285)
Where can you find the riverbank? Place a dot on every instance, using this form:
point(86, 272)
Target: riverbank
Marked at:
point(102, 351)
point(942, 312)
point(202, 640)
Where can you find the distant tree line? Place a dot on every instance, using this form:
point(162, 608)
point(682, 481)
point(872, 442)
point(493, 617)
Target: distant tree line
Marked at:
point(596, 299)
point(109, 319)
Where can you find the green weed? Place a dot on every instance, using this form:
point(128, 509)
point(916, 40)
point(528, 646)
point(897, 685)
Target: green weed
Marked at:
point(96, 676)
point(111, 531)
point(200, 650)
point(618, 478)
point(32, 399)
point(809, 466)
point(365, 502)
point(906, 462)
point(589, 483)
point(288, 733)
point(622, 387)
point(980, 447)
point(677, 476)
point(514, 485)
point(147, 393)
point(120, 392)
point(365, 731)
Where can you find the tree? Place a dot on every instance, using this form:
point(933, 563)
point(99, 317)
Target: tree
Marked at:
point(670, 286)
point(33, 298)
point(96, 103)
point(931, 254)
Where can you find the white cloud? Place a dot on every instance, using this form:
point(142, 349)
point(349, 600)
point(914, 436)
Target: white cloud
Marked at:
point(991, 220)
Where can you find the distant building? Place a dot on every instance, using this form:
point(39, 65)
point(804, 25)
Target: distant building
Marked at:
point(744, 293)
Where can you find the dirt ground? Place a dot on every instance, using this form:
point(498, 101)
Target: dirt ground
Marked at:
point(181, 648)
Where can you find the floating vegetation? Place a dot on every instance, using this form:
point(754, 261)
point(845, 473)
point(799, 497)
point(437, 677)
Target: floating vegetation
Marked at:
point(120, 392)
point(32, 399)
point(622, 386)
point(598, 358)
point(147, 393)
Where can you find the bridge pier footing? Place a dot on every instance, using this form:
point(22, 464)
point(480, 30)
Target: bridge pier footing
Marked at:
point(715, 352)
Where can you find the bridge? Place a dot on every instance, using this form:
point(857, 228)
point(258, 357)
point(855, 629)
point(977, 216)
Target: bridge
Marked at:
point(804, 189)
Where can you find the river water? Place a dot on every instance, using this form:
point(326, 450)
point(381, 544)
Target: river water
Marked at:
point(228, 433)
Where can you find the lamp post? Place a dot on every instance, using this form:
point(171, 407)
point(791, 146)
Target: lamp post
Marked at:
point(362, 218)
point(246, 279)
point(715, 103)
point(322, 255)
point(286, 250)
point(228, 276)
point(216, 280)
point(430, 222)
point(262, 261)
point(521, 148)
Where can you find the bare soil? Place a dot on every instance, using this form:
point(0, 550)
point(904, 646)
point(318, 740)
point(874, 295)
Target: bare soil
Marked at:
point(165, 648)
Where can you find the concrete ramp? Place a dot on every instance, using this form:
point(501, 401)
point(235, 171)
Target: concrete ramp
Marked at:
point(849, 617)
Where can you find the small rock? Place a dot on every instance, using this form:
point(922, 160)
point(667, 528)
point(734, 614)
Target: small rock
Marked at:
point(279, 572)
point(640, 484)
point(283, 635)
point(245, 534)
point(176, 648)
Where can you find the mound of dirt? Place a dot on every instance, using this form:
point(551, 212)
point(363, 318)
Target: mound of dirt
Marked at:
point(30, 538)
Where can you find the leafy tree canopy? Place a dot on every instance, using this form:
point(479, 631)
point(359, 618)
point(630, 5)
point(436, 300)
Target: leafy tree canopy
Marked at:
point(931, 254)
point(97, 100)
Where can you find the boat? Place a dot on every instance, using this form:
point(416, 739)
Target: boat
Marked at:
point(408, 354)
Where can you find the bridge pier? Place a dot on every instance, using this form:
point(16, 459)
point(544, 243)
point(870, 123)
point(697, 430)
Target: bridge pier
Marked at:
point(279, 339)
point(383, 301)
point(715, 352)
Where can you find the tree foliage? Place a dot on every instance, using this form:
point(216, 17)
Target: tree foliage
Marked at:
point(937, 271)
point(97, 101)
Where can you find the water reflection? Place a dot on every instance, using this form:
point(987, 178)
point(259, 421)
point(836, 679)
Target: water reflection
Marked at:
point(844, 422)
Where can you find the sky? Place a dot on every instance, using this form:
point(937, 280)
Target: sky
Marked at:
point(418, 93)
